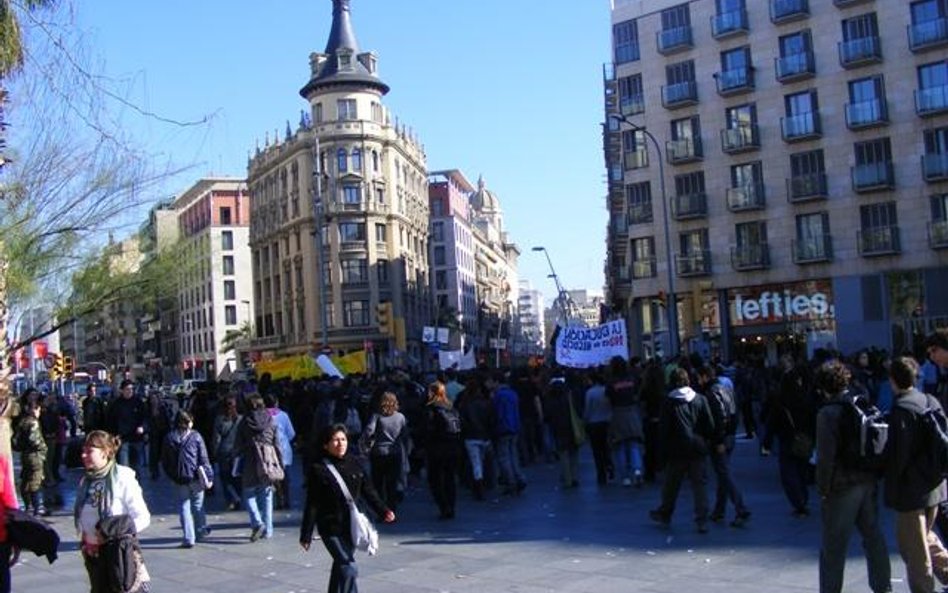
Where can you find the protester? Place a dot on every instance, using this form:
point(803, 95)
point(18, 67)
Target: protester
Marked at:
point(106, 490)
point(626, 428)
point(185, 460)
point(443, 441)
point(849, 495)
point(223, 437)
point(127, 417)
point(564, 420)
point(597, 413)
point(386, 441)
point(260, 453)
point(327, 511)
point(29, 441)
point(507, 429)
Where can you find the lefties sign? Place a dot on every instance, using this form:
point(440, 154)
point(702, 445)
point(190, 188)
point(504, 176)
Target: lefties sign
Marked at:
point(804, 301)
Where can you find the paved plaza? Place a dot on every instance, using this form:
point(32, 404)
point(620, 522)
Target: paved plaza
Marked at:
point(590, 539)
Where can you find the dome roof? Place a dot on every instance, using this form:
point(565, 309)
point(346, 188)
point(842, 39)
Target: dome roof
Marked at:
point(483, 199)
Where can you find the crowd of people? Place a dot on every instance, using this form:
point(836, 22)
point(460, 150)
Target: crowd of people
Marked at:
point(367, 438)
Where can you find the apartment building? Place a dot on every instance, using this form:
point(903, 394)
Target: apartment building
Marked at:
point(356, 174)
point(798, 196)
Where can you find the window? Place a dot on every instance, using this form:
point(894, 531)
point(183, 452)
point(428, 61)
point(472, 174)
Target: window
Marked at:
point(802, 120)
point(643, 257)
point(935, 159)
point(747, 187)
point(695, 257)
point(437, 231)
point(685, 144)
point(676, 29)
point(681, 88)
point(737, 72)
point(441, 280)
point(342, 160)
point(867, 105)
point(874, 168)
point(879, 229)
point(351, 231)
point(639, 196)
point(938, 227)
point(634, 148)
point(625, 39)
point(230, 315)
point(319, 113)
point(228, 265)
point(631, 95)
point(690, 200)
point(860, 40)
point(346, 109)
point(439, 257)
point(227, 240)
point(357, 160)
point(381, 269)
point(741, 128)
point(230, 290)
point(932, 94)
point(355, 313)
point(380, 233)
point(354, 271)
point(929, 26)
point(807, 175)
point(751, 251)
point(796, 57)
point(352, 194)
point(812, 241)
point(376, 112)
point(225, 215)
point(730, 17)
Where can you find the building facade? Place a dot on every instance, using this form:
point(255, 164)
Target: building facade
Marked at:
point(531, 319)
point(799, 194)
point(215, 292)
point(362, 177)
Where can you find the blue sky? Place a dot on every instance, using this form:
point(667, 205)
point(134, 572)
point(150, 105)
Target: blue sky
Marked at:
point(507, 89)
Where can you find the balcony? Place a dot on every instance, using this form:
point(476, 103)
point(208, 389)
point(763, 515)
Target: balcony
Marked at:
point(931, 100)
point(805, 126)
point(928, 35)
point(755, 256)
point(632, 105)
point(687, 206)
point(643, 268)
point(686, 150)
point(619, 225)
point(883, 240)
point(804, 188)
point(640, 213)
point(938, 234)
point(728, 24)
point(847, 3)
point(734, 81)
point(813, 249)
point(795, 67)
point(742, 138)
point(352, 246)
point(680, 95)
point(867, 114)
point(697, 263)
point(935, 166)
point(351, 285)
point(873, 177)
point(784, 11)
point(747, 197)
point(859, 52)
point(620, 274)
point(635, 159)
point(674, 40)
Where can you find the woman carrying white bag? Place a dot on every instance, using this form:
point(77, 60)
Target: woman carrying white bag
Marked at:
point(333, 485)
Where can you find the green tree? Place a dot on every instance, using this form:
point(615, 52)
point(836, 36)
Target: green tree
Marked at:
point(233, 337)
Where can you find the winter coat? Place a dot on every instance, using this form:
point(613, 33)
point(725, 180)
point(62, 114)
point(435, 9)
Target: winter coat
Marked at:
point(439, 442)
point(506, 411)
point(127, 499)
point(125, 415)
point(556, 410)
point(326, 509)
point(121, 562)
point(477, 418)
point(32, 455)
point(905, 488)
point(686, 424)
point(257, 430)
point(831, 475)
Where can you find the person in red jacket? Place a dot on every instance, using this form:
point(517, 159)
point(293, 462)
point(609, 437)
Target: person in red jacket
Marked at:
point(7, 501)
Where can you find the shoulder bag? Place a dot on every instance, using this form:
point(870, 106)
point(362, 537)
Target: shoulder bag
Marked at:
point(364, 535)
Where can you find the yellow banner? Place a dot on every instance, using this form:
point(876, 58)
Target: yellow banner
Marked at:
point(354, 362)
point(291, 367)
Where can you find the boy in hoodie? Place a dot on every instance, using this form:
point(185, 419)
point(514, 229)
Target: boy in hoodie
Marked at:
point(687, 429)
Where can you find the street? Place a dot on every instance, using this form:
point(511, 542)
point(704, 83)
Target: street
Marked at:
point(590, 539)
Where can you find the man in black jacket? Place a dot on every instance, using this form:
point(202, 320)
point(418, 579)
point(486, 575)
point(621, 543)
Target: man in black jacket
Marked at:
point(910, 490)
point(687, 427)
point(127, 418)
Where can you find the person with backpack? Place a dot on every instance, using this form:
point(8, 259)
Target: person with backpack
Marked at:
point(28, 440)
point(848, 491)
point(914, 477)
point(723, 405)
point(223, 437)
point(442, 442)
point(261, 465)
point(386, 442)
point(184, 460)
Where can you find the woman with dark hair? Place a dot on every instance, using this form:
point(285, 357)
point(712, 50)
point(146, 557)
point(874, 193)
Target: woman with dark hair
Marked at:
point(386, 442)
point(28, 440)
point(107, 491)
point(327, 510)
point(442, 444)
point(184, 455)
point(257, 445)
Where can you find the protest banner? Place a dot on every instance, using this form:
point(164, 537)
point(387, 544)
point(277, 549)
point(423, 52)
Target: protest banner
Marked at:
point(583, 347)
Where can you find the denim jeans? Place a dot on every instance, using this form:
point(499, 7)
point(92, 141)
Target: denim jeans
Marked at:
point(191, 510)
point(726, 488)
point(856, 506)
point(476, 453)
point(131, 454)
point(342, 576)
point(793, 478)
point(675, 473)
point(509, 460)
point(230, 484)
point(629, 458)
point(259, 503)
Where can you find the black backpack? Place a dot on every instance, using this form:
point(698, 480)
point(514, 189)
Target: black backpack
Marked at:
point(450, 421)
point(863, 433)
point(932, 457)
point(724, 396)
point(180, 461)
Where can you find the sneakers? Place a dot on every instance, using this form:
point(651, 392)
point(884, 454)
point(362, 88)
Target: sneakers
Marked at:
point(203, 533)
point(186, 545)
point(702, 527)
point(716, 517)
point(659, 517)
point(256, 533)
point(741, 518)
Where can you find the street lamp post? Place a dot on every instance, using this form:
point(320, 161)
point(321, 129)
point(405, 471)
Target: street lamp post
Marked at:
point(317, 189)
point(561, 295)
point(671, 304)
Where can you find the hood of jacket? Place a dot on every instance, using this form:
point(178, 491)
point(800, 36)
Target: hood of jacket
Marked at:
point(257, 421)
point(685, 394)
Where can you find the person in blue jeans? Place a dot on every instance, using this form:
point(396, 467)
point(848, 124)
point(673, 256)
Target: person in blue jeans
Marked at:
point(184, 452)
point(849, 495)
point(327, 511)
point(507, 429)
point(257, 440)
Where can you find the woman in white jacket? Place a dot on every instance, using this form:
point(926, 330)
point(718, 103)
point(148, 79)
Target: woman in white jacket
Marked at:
point(105, 490)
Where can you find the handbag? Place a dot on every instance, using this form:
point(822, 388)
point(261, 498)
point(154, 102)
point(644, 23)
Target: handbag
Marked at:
point(801, 443)
point(206, 481)
point(364, 535)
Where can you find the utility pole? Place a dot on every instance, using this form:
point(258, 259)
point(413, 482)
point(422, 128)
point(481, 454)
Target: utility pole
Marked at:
point(318, 206)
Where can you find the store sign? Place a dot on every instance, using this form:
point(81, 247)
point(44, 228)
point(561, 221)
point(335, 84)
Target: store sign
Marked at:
point(803, 301)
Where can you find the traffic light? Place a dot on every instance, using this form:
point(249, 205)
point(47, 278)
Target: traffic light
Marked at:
point(68, 366)
point(383, 315)
point(58, 366)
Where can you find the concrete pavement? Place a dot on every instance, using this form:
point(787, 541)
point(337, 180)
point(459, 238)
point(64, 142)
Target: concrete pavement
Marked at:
point(591, 539)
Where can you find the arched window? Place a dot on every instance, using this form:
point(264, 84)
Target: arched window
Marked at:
point(356, 160)
point(375, 161)
point(342, 160)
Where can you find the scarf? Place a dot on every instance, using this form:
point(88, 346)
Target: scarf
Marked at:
point(99, 485)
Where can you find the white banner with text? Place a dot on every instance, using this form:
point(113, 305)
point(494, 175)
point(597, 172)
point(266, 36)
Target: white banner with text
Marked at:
point(582, 347)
